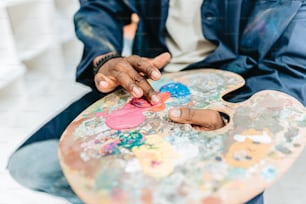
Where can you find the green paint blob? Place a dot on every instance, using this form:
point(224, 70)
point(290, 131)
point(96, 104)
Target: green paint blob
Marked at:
point(131, 139)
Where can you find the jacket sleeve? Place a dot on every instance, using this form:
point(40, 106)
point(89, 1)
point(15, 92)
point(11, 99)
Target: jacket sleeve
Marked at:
point(98, 24)
point(278, 64)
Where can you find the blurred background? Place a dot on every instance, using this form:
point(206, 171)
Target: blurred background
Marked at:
point(38, 56)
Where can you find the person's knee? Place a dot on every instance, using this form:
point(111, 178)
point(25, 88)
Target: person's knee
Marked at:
point(33, 165)
point(259, 199)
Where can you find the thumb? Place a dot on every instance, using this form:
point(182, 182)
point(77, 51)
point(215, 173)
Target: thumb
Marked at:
point(205, 119)
point(104, 84)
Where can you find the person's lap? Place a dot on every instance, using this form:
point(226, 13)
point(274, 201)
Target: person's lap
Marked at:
point(35, 163)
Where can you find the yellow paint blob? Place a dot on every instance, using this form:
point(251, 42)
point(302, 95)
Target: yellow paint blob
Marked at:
point(247, 152)
point(156, 157)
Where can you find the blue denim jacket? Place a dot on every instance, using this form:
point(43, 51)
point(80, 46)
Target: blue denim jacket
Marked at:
point(262, 40)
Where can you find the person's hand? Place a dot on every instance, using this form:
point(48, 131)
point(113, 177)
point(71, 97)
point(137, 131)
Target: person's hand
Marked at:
point(200, 119)
point(131, 73)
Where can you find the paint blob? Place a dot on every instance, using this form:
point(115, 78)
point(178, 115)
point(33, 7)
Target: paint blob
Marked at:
point(124, 118)
point(176, 89)
point(131, 114)
point(179, 93)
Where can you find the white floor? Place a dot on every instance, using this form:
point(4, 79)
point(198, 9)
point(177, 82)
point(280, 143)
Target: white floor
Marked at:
point(37, 96)
point(24, 105)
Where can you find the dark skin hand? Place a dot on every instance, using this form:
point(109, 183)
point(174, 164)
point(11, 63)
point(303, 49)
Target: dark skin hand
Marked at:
point(200, 119)
point(132, 73)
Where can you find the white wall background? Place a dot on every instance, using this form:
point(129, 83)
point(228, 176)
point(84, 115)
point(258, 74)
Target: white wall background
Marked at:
point(35, 32)
point(38, 56)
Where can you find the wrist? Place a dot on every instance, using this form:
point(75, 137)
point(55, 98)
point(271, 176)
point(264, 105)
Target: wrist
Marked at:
point(97, 58)
point(99, 61)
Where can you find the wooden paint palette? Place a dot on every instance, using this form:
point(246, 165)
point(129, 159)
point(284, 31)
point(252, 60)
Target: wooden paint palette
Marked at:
point(159, 161)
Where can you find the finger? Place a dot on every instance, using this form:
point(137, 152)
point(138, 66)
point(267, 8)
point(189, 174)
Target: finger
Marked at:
point(136, 85)
point(125, 75)
point(147, 91)
point(108, 79)
point(144, 67)
point(204, 118)
point(161, 60)
point(149, 67)
point(128, 83)
point(104, 84)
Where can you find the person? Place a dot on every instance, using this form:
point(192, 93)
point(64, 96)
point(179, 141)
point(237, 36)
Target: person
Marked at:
point(260, 40)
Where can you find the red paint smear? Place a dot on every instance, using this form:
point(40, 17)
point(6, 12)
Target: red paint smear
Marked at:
point(131, 114)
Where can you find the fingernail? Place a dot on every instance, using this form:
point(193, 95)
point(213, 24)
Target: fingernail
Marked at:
point(155, 99)
point(176, 113)
point(103, 84)
point(155, 74)
point(137, 91)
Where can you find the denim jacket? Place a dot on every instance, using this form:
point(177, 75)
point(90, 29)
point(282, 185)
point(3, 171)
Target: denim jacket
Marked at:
point(262, 40)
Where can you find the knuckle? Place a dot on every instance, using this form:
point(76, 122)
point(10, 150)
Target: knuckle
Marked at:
point(119, 75)
point(144, 65)
point(139, 79)
point(148, 69)
point(120, 64)
point(189, 114)
point(134, 59)
point(140, 62)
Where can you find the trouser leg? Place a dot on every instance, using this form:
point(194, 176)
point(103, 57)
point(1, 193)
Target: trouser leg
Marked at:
point(259, 199)
point(35, 163)
point(56, 126)
point(36, 166)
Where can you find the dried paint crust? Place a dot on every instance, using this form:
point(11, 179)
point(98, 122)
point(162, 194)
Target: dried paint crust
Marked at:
point(162, 162)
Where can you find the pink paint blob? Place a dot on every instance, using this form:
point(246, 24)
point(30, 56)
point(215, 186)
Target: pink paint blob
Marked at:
point(131, 114)
point(127, 117)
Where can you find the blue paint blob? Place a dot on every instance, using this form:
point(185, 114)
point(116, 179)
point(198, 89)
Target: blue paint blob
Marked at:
point(176, 89)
